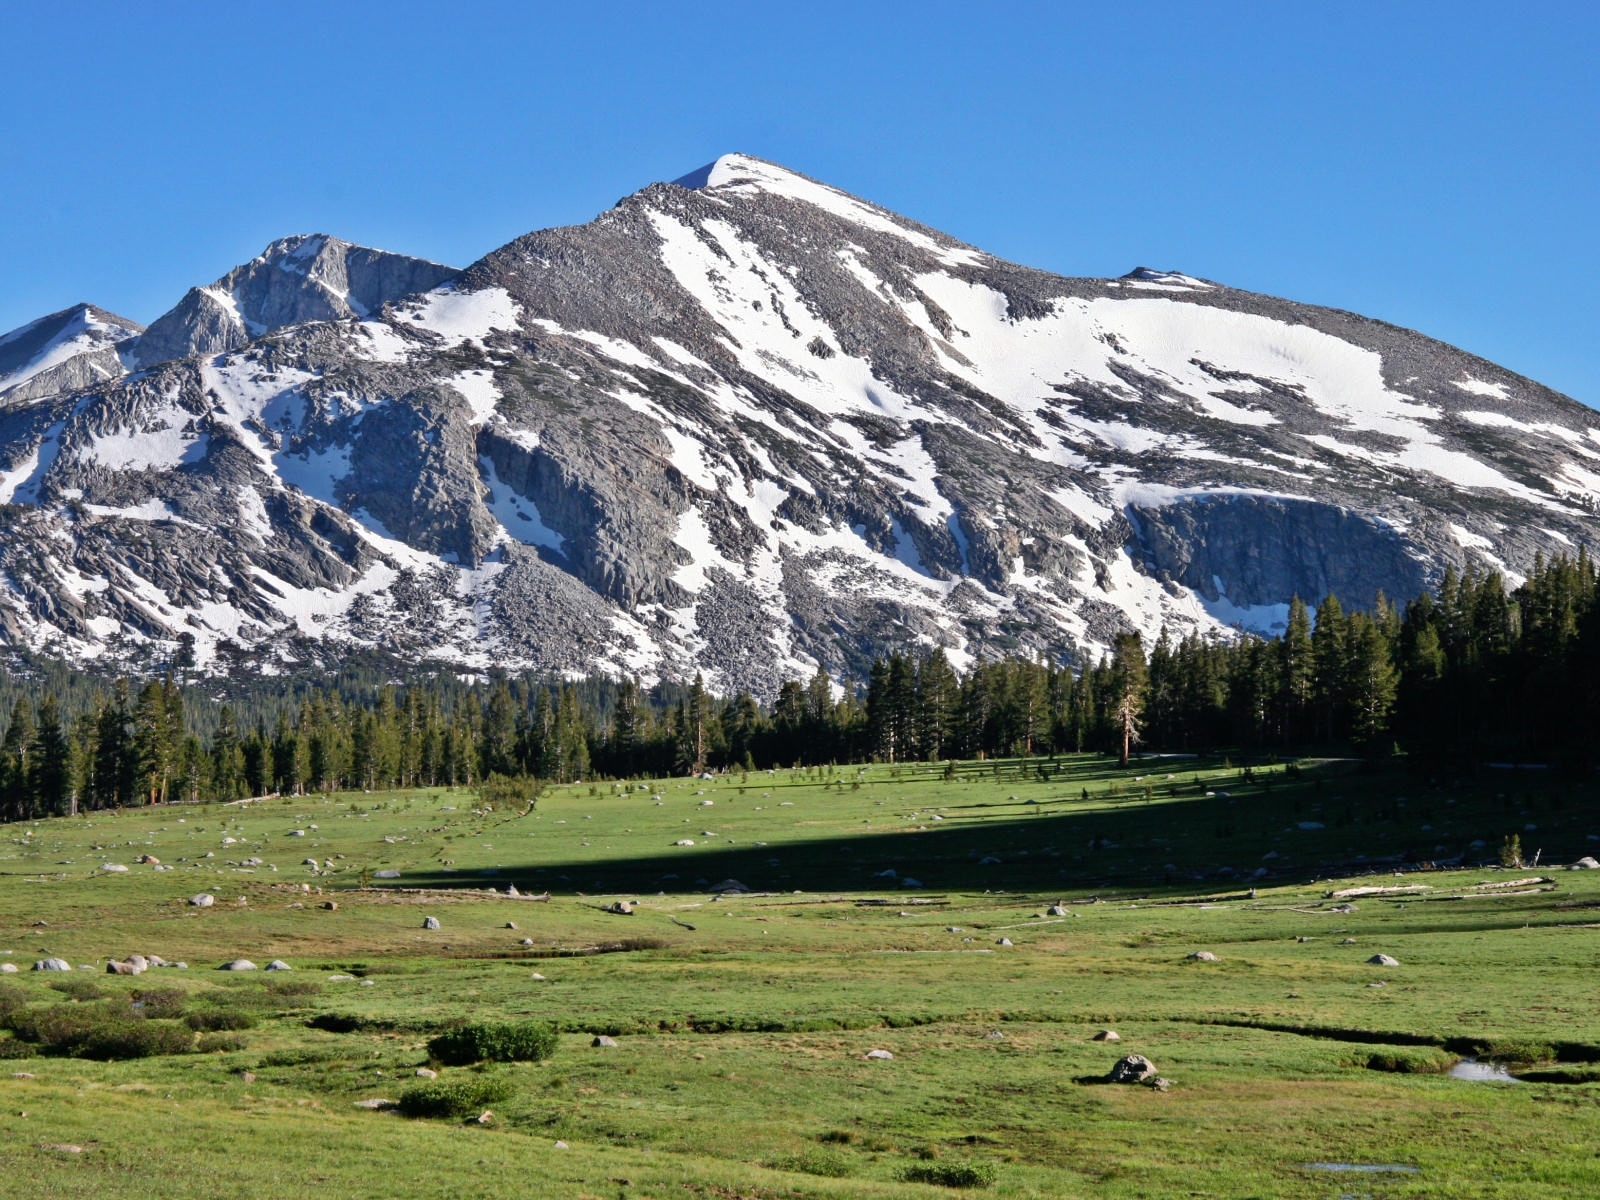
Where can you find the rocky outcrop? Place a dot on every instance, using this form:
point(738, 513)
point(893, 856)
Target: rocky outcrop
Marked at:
point(296, 279)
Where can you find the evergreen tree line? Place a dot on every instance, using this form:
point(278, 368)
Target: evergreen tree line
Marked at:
point(1473, 670)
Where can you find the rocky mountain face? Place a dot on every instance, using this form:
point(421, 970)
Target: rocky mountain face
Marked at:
point(747, 423)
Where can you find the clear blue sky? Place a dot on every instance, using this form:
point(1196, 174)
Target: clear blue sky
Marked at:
point(1433, 165)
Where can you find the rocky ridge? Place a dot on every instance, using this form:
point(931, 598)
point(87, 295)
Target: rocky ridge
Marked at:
point(748, 424)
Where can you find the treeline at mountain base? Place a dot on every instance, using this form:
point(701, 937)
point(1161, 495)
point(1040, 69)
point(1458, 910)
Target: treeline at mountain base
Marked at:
point(1473, 673)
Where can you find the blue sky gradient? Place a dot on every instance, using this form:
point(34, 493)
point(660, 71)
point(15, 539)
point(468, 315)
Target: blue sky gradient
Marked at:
point(1434, 165)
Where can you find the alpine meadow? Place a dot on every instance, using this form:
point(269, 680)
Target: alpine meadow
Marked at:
point(751, 696)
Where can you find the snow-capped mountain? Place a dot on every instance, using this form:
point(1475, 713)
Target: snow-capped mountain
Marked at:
point(748, 423)
point(73, 348)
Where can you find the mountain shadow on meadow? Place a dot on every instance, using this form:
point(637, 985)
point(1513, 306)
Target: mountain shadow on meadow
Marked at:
point(1046, 839)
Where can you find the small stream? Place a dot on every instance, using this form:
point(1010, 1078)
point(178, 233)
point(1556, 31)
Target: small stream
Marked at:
point(1482, 1072)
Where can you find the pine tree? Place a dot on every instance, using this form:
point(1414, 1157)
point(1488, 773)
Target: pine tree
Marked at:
point(16, 780)
point(1129, 667)
point(50, 764)
point(1297, 672)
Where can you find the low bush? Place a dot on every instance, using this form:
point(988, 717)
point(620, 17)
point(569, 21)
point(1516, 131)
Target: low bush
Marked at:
point(495, 1041)
point(78, 989)
point(464, 1097)
point(509, 790)
point(161, 1003)
point(216, 1043)
point(818, 1161)
point(12, 1048)
point(213, 1020)
point(135, 1039)
point(11, 1000)
point(951, 1174)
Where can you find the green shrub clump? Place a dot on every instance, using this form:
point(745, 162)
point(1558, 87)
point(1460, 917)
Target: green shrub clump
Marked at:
point(110, 1029)
point(819, 1160)
point(952, 1174)
point(135, 1039)
point(454, 1097)
point(212, 1020)
point(495, 1041)
point(214, 1043)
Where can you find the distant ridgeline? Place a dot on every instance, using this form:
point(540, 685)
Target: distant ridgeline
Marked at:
point(1473, 671)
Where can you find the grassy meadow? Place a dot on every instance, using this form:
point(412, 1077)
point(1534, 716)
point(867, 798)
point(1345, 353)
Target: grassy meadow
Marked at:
point(742, 1021)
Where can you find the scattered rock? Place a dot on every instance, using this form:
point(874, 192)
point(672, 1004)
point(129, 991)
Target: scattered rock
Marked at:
point(245, 1076)
point(386, 874)
point(560, 1146)
point(52, 964)
point(623, 908)
point(1003, 942)
point(309, 862)
point(61, 1147)
point(730, 886)
point(375, 1103)
point(278, 964)
point(1203, 956)
point(1383, 960)
point(604, 1042)
point(1586, 863)
point(1107, 1035)
point(114, 868)
point(1347, 941)
point(8, 968)
point(1056, 910)
point(113, 967)
point(341, 978)
point(878, 1054)
point(994, 1035)
point(511, 924)
point(427, 1073)
point(149, 860)
point(238, 964)
point(23, 1075)
point(537, 976)
point(203, 900)
point(1157, 1082)
point(484, 1118)
point(330, 906)
point(430, 922)
point(1132, 1068)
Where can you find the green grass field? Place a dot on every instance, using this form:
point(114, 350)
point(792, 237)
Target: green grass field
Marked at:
point(742, 1021)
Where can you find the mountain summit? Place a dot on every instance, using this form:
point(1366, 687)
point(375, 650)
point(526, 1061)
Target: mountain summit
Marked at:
point(296, 279)
point(748, 424)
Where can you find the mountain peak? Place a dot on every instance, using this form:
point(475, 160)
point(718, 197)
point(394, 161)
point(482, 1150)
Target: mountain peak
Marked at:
point(303, 277)
point(42, 346)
